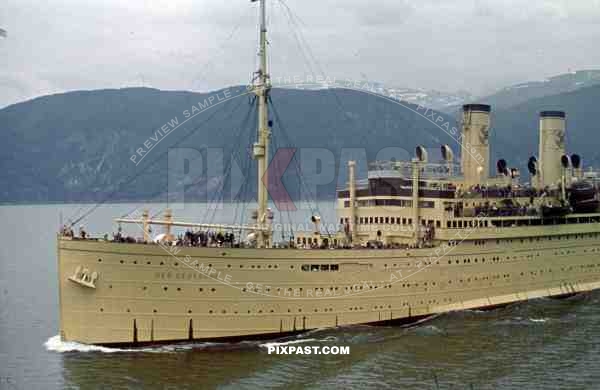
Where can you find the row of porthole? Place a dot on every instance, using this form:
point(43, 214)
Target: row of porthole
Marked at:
point(422, 263)
point(316, 289)
point(316, 310)
point(406, 285)
point(252, 266)
point(200, 289)
point(166, 288)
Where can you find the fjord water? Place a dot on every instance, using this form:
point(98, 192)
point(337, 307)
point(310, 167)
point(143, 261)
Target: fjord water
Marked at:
point(540, 344)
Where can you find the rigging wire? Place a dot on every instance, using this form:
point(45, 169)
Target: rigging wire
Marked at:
point(227, 169)
point(303, 42)
point(276, 146)
point(146, 168)
point(246, 160)
point(201, 75)
point(195, 159)
point(298, 171)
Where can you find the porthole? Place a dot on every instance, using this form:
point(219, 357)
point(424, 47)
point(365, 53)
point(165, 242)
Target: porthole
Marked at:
point(101, 309)
point(122, 262)
point(200, 289)
point(134, 261)
point(165, 288)
point(149, 262)
point(99, 260)
point(210, 312)
point(176, 264)
point(155, 311)
point(189, 312)
point(178, 288)
point(212, 289)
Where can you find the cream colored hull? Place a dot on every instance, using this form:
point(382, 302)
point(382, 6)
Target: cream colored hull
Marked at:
point(144, 294)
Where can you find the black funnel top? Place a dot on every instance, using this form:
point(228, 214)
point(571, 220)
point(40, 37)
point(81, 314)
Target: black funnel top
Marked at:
point(477, 107)
point(552, 114)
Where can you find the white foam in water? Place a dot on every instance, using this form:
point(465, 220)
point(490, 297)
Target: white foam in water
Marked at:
point(55, 344)
point(291, 342)
point(538, 319)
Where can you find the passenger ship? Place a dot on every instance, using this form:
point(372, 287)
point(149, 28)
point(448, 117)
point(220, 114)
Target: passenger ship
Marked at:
point(418, 238)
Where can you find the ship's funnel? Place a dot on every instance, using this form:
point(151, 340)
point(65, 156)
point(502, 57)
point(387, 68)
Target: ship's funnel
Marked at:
point(475, 150)
point(552, 147)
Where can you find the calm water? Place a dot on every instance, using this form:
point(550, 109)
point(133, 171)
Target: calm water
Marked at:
point(540, 344)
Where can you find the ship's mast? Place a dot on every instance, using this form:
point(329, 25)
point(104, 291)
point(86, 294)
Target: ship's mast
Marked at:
point(262, 87)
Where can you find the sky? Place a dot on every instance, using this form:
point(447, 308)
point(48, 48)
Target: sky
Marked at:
point(477, 46)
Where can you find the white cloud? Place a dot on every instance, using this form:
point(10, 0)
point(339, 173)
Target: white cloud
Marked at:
point(183, 44)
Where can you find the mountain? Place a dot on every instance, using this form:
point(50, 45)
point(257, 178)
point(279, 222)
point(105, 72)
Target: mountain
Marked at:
point(436, 100)
point(515, 129)
point(520, 93)
point(78, 146)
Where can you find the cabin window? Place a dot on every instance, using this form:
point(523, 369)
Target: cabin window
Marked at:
point(324, 267)
point(305, 267)
point(314, 267)
point(387, 219)
point(370, 219)
point(410, 221)
point(334, 267)
point(438, 224)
